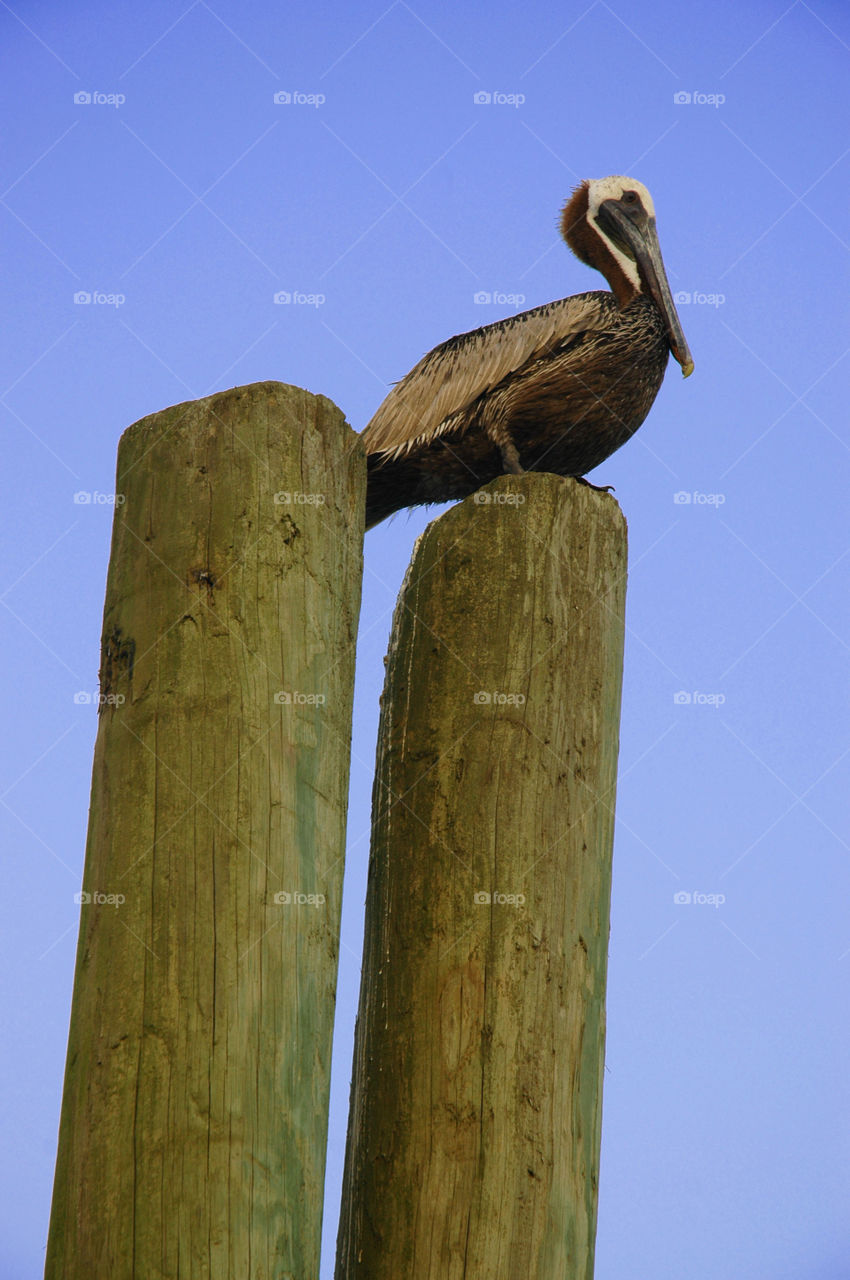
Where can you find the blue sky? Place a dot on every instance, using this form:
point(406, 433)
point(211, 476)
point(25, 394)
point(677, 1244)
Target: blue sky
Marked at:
point(385, 196)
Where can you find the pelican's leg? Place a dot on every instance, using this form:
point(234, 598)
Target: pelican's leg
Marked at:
point(510, 459)
point(496, 429)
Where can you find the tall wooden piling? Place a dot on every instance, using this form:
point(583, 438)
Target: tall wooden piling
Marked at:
point(194, 1114)
point(473, 1144)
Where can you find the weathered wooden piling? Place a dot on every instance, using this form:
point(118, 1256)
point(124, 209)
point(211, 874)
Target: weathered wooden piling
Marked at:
point(473, 1144)
point(194, 1114)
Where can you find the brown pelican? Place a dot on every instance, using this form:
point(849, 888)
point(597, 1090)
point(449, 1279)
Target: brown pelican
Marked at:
point(558, 388)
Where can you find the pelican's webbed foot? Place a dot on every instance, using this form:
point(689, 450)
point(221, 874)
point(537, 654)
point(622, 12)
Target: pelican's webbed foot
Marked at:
point(600, 488)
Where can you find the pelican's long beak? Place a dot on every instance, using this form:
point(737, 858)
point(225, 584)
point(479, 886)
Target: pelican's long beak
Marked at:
point(638, 230)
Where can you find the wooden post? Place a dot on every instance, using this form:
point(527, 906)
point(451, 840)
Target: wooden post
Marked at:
point(473, 1143)
point(194, 1116)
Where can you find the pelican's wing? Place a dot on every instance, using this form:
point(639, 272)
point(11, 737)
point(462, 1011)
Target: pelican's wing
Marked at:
point(452, 376)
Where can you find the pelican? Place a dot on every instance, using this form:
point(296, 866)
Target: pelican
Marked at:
point(557, 388)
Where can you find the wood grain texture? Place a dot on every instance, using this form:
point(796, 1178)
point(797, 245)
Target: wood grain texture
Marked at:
point(473, 1145)
point(194, 1116)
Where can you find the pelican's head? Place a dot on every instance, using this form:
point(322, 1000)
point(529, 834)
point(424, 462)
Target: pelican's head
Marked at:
point(609, 223)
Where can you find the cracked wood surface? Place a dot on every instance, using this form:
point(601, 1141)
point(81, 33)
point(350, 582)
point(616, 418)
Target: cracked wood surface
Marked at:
point(473, 1145)
point(194, 1116)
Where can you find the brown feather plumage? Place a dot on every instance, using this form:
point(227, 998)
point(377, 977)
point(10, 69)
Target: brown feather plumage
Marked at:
point(557, 388)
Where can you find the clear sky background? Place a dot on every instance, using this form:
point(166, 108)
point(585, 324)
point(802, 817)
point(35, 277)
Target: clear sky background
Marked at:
point(392, 198)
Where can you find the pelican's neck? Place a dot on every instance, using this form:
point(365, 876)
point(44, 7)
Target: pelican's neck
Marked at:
point(591, 246)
